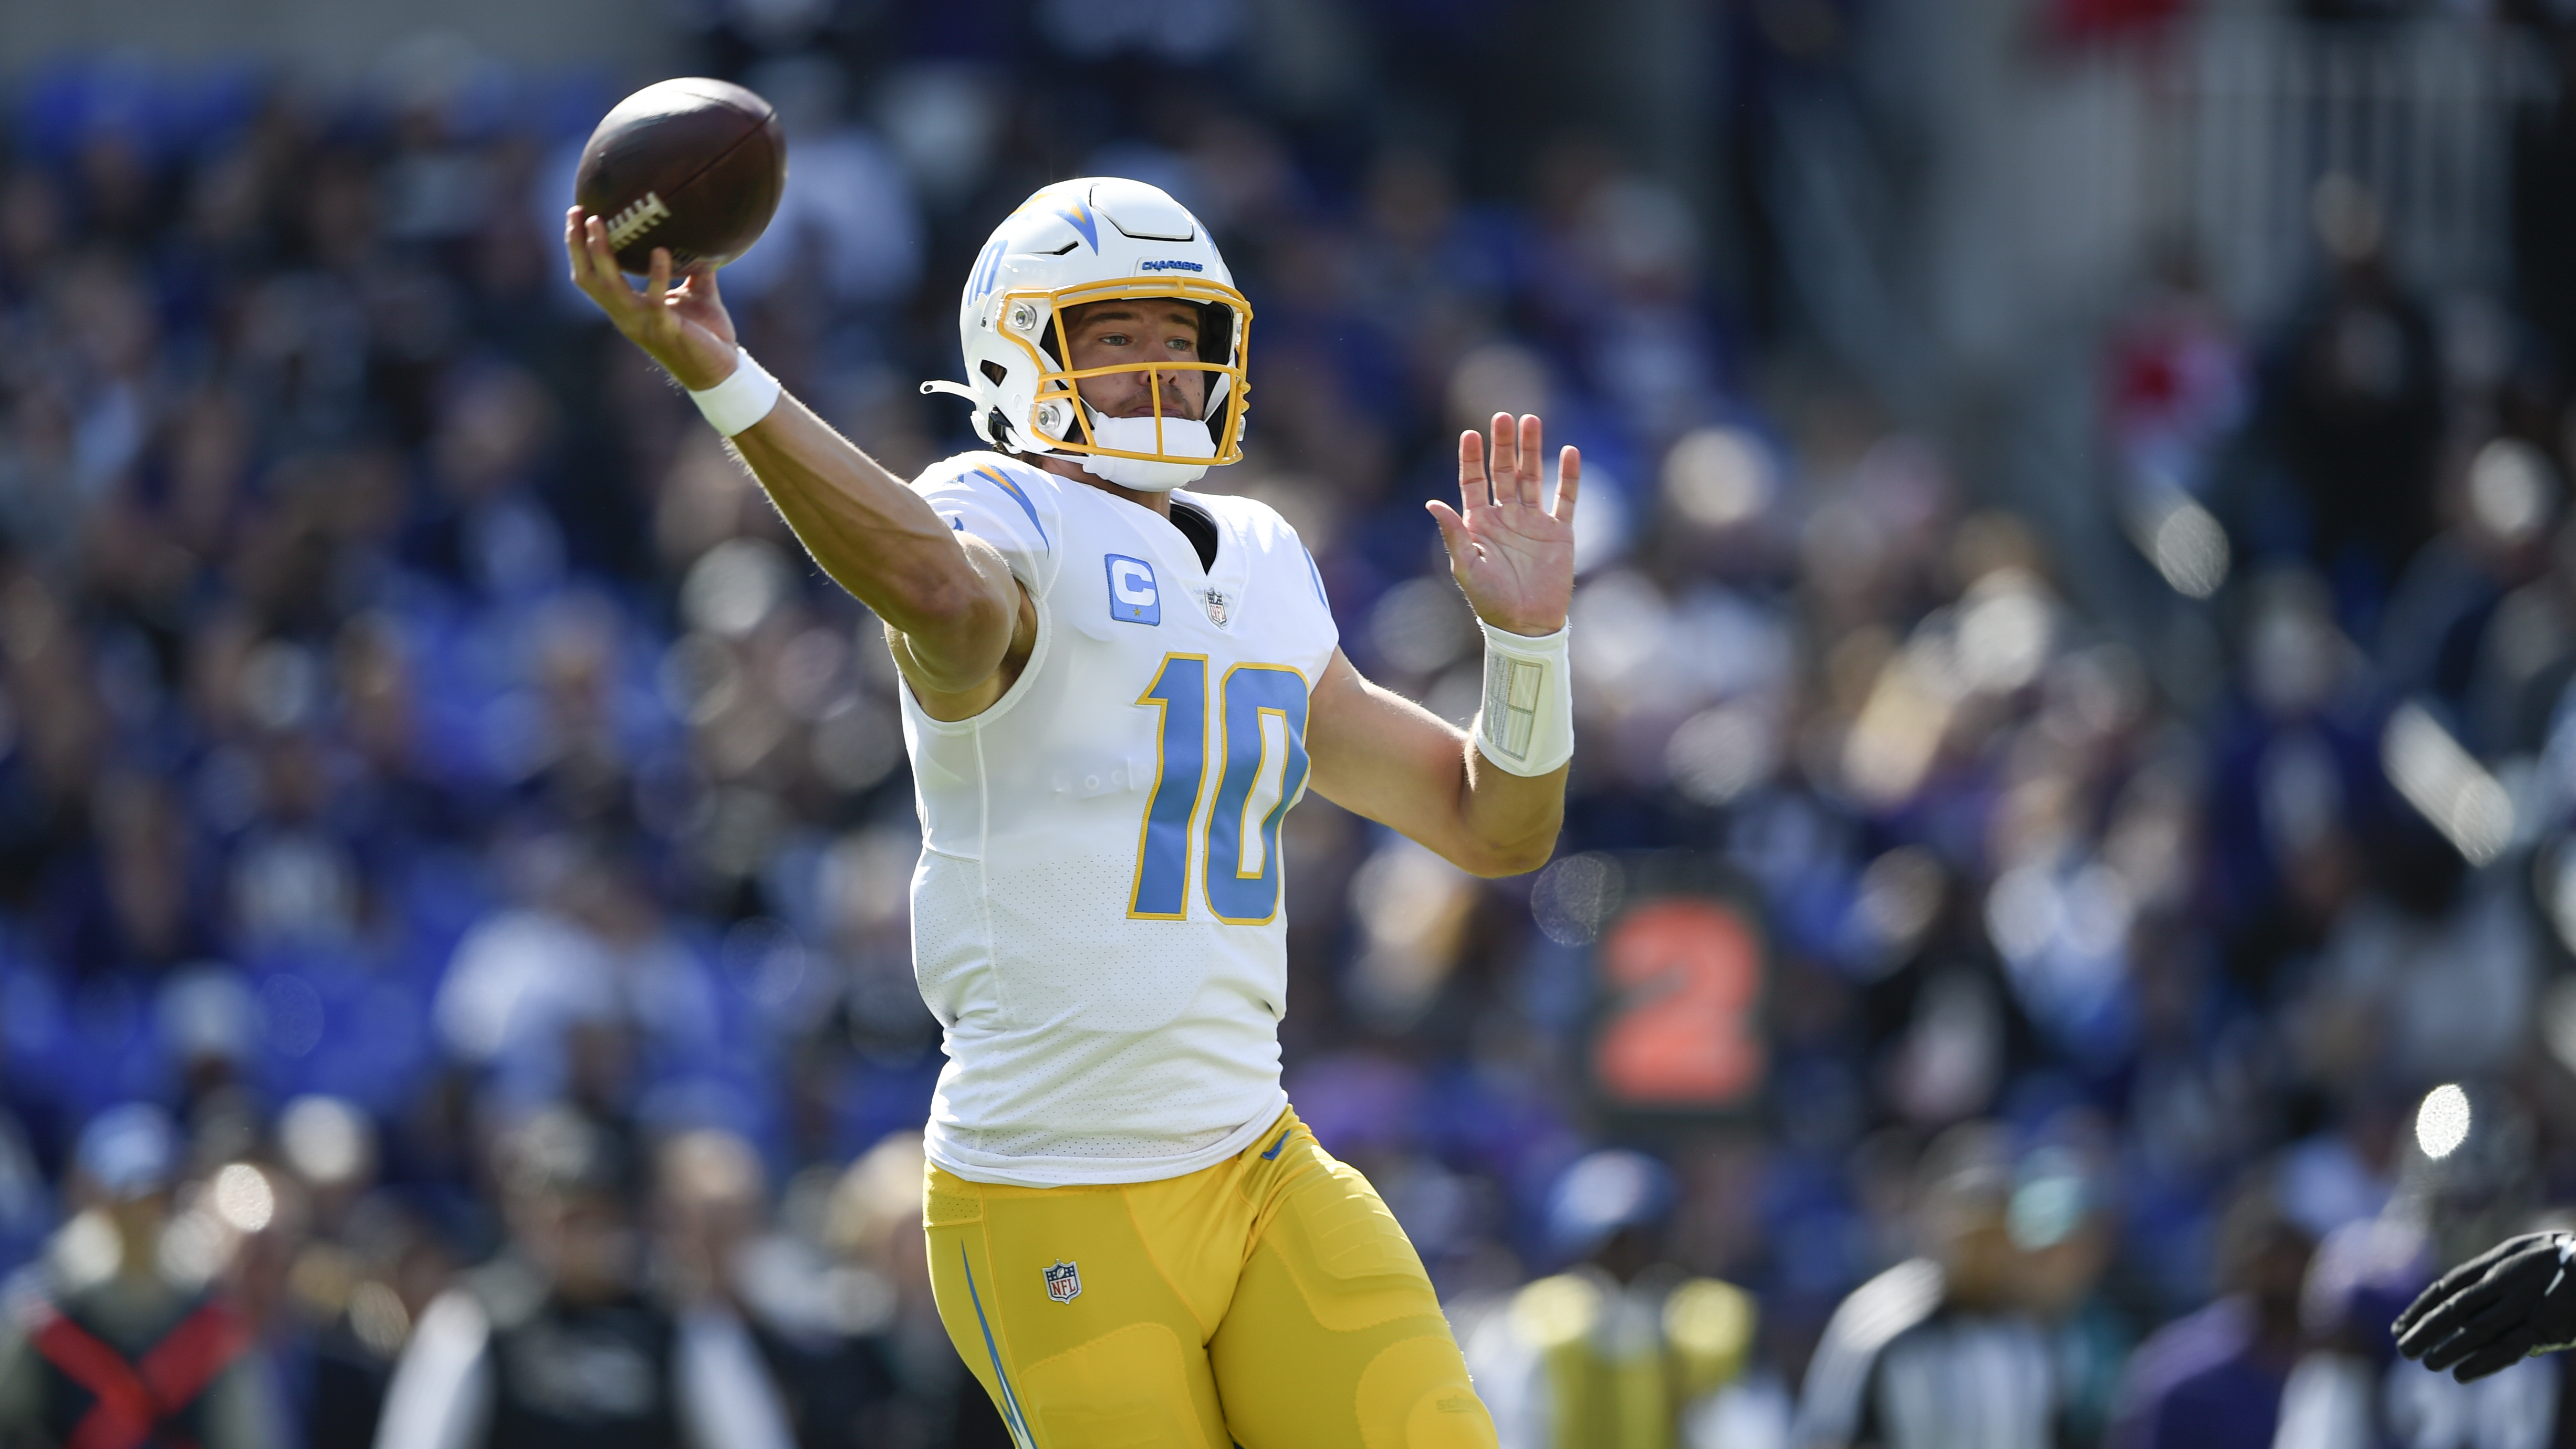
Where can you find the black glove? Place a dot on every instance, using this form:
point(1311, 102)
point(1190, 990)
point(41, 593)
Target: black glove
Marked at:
point(2514, 1300)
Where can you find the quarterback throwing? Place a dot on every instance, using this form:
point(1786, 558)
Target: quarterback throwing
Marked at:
point(1117, 687)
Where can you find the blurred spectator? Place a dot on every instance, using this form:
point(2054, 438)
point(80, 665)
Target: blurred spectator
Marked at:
point(1940, 1351)
point(270, 1225)
point(576, 995)
point(367, 1270)
point(362, 1290)
point(123, 1343)
point(1625, 1348)
point(898, 1377)
point(2509, 501)
point(2353, 406)
point(2212, 1380)
point(710, 1199)
point(556, 1343)
point(2177, 384)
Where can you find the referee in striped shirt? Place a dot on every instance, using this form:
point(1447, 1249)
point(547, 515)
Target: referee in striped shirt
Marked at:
point(1934, 1353)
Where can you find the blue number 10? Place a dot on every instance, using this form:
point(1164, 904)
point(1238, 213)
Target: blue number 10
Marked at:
point(1251, 694)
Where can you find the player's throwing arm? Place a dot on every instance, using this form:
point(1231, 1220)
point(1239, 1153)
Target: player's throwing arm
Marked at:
point(948, 599)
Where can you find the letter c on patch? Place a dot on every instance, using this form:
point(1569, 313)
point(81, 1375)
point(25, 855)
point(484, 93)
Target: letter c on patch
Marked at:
point(1133, 597)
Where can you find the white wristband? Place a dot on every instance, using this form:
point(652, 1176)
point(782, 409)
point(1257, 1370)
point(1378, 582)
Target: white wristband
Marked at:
point(742, 399)
point(1527, 725)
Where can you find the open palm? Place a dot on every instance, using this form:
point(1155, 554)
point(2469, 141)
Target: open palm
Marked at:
point(1511, 544)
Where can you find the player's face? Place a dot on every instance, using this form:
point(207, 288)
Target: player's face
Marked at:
point(1139, 330)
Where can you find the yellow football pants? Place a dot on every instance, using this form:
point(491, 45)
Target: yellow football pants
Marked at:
point(1270, 1301)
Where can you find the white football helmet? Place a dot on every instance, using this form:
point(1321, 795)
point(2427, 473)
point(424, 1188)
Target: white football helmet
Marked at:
point(1099, 239)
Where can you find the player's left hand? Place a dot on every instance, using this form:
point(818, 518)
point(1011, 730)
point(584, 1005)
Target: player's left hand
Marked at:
point(2515, 1299)
point(1511, 540)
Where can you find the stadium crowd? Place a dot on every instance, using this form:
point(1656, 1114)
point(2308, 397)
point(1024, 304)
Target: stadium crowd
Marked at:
point(434, 786)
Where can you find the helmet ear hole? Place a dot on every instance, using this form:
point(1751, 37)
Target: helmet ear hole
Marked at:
point(1217, 323)
point(994, 371)
point(1216, 332)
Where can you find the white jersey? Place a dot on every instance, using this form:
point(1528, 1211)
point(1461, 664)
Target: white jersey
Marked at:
point(1097, 919)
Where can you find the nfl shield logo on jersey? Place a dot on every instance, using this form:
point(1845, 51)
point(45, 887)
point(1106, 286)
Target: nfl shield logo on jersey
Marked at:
point(1064, 1282)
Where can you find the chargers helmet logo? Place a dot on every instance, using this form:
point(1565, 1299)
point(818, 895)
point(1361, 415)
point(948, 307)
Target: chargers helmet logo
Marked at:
point(1064, 1282)
point(1133, 598)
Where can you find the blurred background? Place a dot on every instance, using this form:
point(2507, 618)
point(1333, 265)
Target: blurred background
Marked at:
point(2074, 652)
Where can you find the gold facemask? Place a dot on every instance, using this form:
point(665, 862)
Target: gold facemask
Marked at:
point(1057, 417)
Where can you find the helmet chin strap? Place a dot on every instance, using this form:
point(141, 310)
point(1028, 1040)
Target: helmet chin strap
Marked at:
point(1182, 438)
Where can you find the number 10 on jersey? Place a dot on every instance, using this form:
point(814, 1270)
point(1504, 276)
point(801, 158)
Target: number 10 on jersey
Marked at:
point(1249, 695)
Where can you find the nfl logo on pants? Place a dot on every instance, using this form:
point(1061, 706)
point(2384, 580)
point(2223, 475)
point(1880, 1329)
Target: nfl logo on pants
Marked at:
point(1064, 1281)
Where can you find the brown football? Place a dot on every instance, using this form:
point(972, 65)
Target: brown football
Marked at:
point(692, 164)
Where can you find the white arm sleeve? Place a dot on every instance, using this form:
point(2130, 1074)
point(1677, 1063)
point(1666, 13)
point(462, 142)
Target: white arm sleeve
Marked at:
point(725, 1398)
point(441, 1395)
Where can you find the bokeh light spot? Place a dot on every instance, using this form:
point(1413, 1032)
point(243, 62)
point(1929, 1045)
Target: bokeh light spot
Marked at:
point(1574, 896)
point(2446, 784)
point(243, 1198)
point(2510, 489)
point(734, 586)
point(1718, 477)
point(1720, 753)
point(2442, 1123)
point(2190, 550)
point(1421, 625)
point(326, 1140)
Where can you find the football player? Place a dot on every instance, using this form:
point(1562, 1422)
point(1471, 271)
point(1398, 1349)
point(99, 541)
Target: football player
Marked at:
point(1116, 688)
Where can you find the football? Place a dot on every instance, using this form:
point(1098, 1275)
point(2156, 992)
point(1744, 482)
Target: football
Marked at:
point(693, 164)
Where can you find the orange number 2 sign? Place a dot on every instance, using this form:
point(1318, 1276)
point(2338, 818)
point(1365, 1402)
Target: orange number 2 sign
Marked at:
point(1681, 1033)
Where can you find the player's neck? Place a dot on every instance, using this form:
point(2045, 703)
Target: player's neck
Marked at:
point(1068, 468)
